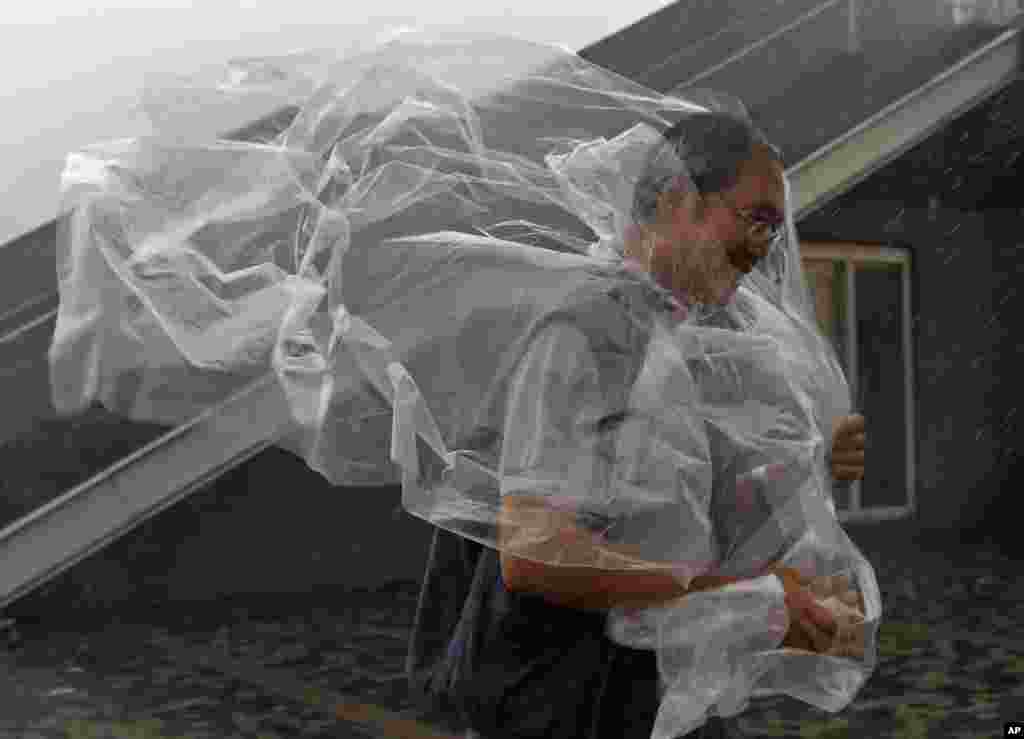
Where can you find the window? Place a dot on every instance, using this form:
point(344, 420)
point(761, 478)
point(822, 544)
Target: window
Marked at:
point(862, 298)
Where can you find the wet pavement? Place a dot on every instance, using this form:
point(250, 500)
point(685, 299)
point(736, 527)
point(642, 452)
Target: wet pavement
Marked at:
point(330, 665)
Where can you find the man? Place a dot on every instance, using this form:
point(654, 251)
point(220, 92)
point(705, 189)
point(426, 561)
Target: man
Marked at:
point(528, 625)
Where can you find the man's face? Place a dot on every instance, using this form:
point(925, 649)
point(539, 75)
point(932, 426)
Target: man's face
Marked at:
point(706, 247)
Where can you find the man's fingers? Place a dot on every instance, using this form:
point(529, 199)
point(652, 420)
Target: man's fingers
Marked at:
point(855, 443)
point(821, 640)
point(840, 586)
point(850, 598)
point(803, 634)
point(849, 457)
point(849, 651)
point(852, 424)
point(820, 616)
point(860, 634)
point(845, 472)
point(796, 637)
point(842, 582)
point(814, 627)
point(850, 427)
point(849, 444)
point(851, 644)
point(850, 595)
point(821, 587)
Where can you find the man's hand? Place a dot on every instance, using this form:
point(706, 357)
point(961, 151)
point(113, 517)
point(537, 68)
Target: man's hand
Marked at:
point(848, 441)
point(839, 587)
point(839, 595)
point(811, 625)
point(826, 614)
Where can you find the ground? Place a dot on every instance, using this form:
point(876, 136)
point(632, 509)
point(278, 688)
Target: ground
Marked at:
point(951, 665)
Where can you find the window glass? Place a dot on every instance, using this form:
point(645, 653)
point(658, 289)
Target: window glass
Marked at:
point(881, 375)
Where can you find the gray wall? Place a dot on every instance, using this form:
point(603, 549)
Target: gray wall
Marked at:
point(269, 527)
point(953, 201)
point(279, 527)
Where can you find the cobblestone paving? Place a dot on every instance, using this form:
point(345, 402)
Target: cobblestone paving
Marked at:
point(951, 657)
point(951, 665)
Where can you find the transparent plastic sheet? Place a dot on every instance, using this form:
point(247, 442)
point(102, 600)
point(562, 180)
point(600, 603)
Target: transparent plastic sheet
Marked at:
point(396, 255)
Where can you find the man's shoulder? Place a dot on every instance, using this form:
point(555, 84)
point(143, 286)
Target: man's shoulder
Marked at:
point(608, 304)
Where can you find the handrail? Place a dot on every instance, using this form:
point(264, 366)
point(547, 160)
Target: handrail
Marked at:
point(137, 487)
point(845, 161)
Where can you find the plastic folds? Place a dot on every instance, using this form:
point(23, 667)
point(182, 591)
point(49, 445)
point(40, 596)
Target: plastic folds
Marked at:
point(425, 251)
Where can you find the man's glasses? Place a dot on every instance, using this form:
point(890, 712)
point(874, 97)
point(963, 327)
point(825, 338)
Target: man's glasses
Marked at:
point(761, 228)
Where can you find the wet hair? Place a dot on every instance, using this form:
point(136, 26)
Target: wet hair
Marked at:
point(705, 149)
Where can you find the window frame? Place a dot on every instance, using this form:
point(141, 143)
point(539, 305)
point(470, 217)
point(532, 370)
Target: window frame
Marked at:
point(850, 255)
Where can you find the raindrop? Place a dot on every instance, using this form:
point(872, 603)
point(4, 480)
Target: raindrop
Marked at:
point(56, 692)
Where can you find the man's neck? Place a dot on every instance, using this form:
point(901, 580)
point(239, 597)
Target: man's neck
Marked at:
point(680, 301)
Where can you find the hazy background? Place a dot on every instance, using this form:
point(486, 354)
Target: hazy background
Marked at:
point(70, 70)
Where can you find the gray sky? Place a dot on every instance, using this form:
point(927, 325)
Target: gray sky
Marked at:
point(71, 69)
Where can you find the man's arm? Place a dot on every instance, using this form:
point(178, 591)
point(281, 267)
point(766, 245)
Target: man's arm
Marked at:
point(588, 587)
point(543, 549)
point(601, 587)
point(556, 387)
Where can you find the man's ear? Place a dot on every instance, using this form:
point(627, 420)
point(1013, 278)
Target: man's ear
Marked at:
point(670, 202)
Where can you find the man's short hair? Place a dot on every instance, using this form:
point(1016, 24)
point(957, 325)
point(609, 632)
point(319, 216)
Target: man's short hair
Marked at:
point(704, 151)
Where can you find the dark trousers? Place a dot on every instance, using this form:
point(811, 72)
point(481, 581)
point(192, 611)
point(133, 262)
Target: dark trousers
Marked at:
point(511, 665)
point(629, 704)
point(715, 728)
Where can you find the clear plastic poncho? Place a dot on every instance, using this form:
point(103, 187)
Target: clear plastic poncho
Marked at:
point(423, 249)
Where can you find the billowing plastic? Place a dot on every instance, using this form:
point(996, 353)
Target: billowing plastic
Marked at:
point(428, 258)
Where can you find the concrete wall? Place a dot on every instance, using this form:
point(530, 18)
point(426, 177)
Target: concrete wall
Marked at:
point(279, 527)
point(269, 527)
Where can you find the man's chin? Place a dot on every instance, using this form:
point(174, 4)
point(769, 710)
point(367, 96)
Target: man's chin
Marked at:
point(727, 293)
